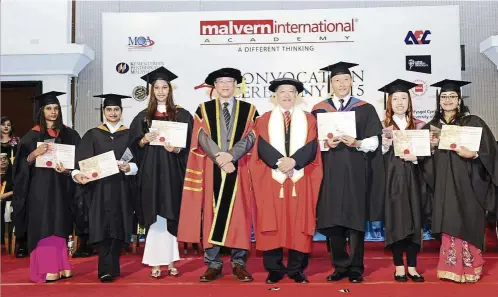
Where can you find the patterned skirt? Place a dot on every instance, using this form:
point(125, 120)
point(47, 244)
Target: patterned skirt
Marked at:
point(459, 261)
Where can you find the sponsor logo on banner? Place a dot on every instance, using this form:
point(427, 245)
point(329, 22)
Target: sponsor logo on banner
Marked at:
point(144, 67)
point(418, 37)
point(420, 88)
point(140, 42)
point(420, 64)
point(139, 93)
point(236, 32)
point(122, 68)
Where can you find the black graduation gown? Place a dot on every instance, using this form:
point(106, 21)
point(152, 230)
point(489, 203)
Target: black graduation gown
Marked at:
point(464, 189)
point(160, 173)
point(6, 187)
point(351, 192)
point(42, 197)
point(407, 200)
point(105, 205)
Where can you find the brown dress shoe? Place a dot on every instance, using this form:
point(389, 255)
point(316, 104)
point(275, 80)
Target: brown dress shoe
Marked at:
point(210, 275)
point(241, 274)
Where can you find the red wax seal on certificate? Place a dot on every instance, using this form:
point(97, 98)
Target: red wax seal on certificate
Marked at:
point(49, 163)
point(95, 174)
point(406, 152)
point(162, 139)
point(330, 135)
point(453, 146)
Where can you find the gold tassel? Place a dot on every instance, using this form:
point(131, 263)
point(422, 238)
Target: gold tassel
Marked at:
point(282, 191)
point(243, 87)
point(294, 190)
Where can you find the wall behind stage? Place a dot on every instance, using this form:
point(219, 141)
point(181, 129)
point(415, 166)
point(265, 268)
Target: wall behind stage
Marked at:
point(478, 20)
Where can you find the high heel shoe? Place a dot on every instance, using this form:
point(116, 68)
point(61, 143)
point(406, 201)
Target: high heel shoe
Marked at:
point(156, 273)
point(400, 278)
point(173, 271)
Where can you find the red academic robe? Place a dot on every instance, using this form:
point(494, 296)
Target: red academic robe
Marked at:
point(286, 213)
point(226, 222)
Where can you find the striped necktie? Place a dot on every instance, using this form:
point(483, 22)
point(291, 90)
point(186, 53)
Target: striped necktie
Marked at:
point(342, 104)
point(226, 115)
point(287, 121)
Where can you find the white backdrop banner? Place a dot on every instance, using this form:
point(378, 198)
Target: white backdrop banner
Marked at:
point(419, 44)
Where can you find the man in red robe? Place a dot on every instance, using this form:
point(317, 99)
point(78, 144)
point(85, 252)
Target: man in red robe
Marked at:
point(286, 172)
point(216, 191)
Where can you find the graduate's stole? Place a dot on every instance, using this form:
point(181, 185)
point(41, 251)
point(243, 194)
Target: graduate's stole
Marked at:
point(224, 185)
point(298, 136)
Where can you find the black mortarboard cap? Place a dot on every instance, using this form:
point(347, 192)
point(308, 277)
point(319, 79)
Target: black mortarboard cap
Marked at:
point(110, 100)
point(336, 69)
point(286, 81)
point(156, 74)
point(448, 85)
point(398, 85)
point(48, 98)
point(224, 72)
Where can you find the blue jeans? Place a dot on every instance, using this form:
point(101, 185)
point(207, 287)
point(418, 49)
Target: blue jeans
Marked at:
point(213, 260)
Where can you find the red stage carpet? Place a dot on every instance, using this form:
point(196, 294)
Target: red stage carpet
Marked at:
point(135, 278)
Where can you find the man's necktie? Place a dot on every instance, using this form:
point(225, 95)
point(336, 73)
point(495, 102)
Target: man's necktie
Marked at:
point(226, 115)
point(342, 104)
point(287, 121)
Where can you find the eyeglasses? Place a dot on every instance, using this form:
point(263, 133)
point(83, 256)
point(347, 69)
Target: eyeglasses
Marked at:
point(448, 98)
point(228, 81)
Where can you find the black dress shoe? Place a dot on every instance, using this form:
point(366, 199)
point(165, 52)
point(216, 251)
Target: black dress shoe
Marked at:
point(336, 276)
point(355, 278)
point(274, 277)
point(417, 278)
point(400, 278)
point(106, 278)
point(299, 277)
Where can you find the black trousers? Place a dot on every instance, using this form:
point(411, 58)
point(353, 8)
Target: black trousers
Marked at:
point(272, 260)
point(342, 261)
point(411, 249)
point(109, 252)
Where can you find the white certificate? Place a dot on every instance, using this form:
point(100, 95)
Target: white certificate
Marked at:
point(453, 136)
point(174, 133)
point(334, 124)
point(63, 153)
point(99, 166)
point(414, 142)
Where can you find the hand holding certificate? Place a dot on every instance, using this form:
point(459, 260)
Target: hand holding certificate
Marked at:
point(453, 137)
point(412, 142)
point(172, 133)
point(336, 124)
point(99, 166)
point(57, 153)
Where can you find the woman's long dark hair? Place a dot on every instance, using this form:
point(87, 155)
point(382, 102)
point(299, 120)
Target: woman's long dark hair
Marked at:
point(170, 104)
point(462, 110)
point(6, 119)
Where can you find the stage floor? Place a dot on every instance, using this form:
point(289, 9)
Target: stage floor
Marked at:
point(135, 278)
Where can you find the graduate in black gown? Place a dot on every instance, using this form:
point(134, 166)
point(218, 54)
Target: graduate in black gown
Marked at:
point(161, 172)
point(463, 182)
point(6, 194)
point(351, 190)
point(406, 199)
point(108, 201)
point(43, 196)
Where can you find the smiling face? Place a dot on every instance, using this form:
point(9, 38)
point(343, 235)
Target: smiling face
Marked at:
point(225, 87)
point(341, 84)
point(400, 103)
point(286, 96)
point(161, 91)
point(449, 101)
point(112, 114)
